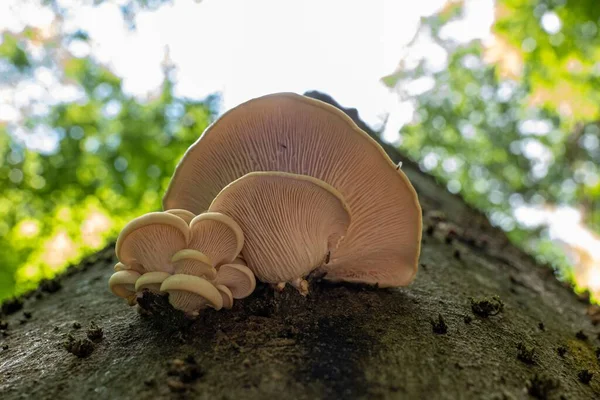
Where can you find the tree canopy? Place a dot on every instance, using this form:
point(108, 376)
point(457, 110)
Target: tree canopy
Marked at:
point(512, 120)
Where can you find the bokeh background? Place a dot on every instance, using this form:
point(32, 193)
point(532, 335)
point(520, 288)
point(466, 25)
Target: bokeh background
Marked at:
point(499, 100)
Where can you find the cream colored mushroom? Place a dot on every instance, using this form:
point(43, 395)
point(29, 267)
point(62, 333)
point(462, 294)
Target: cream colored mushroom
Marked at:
point(134, 267)
point(291, 133)
point(216, 235)
point(191, 294)
point(151, 281)
point(290, 222)
point(226, 295)
point(151, 241)
point(193, 262)
point(122, 284)
point(238, 278)
point(185, 215)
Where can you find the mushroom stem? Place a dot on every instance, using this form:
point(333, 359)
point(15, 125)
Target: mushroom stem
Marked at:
point(301, 285)
point(278, 286)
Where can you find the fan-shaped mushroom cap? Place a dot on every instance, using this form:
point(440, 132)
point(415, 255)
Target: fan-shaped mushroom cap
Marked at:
point(290, 222)
point(191, 294)
point(185, 215)
point(216, 235)
point(238, 278)
point(226, 295)
point(151, 281)
point(292, 133)
point(193, 262)
point(122, 284)
point(151, 240)
point(122, 267)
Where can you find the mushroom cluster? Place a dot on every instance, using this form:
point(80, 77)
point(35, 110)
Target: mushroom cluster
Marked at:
point(278, 187)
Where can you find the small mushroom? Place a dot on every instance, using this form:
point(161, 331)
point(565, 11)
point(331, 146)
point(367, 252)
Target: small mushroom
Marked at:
point(185, 215)
point(134, 267)
point(191, 294)
point(193, 262)
point(120, 267)
point(216, 235)
point(151, 281)
point(151, 240)
point(290, 223)
point(238, 278)
point(122, 284)
point(226, 295)
point(295, 134)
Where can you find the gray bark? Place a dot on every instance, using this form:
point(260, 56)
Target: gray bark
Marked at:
point(342, 341)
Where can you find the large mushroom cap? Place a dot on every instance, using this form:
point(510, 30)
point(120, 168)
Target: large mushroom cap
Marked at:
point(292, 133)
point(290, 222)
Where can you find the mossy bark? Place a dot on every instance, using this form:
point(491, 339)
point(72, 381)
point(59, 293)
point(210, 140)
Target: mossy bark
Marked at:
point(342, 341)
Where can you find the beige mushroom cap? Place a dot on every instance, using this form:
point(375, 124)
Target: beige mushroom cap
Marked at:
point(292, 133)
point(193, 262)
point(216, 235)
point(120, 267)
point(183, 214)
point(151, 240)
point(151, 281)
point(238, 278)
point(290, 222)
point(191, 294)
point(122, 284)
point(226, 295)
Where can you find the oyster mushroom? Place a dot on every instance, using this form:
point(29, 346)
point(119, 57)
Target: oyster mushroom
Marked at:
point(291, 133)
point(193, 262)
point(157, 245)
point(183, 214)
point(122, 284)
point(151, 281)
point(226, 296)
point(238, 278)
point(290, 222)
point(216, 235)
point(151, 241)
point(191, 294)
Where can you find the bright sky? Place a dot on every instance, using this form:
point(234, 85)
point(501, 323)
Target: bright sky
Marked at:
point(244, 49)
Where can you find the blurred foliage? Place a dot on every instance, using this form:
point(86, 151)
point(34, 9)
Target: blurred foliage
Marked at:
point(512, 121)
point(102, 157)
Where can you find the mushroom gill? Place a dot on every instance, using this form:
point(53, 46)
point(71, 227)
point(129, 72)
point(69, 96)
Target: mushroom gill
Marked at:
point(157, 245)
point(193, 262)
point(191, 294)
point(216, 235)
point(290, 222)
point(295, 134)
point(238, 278)
point(151, 240)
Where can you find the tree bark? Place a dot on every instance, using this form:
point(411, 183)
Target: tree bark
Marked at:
point(443, 337)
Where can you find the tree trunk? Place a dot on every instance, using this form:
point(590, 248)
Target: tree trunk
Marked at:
point(445, 336)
